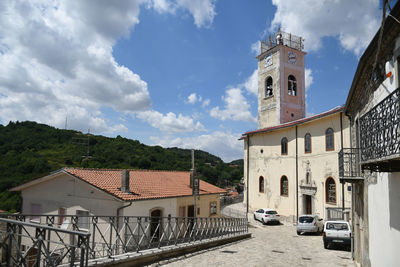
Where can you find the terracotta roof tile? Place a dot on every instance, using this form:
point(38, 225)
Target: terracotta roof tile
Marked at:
point(144, 184)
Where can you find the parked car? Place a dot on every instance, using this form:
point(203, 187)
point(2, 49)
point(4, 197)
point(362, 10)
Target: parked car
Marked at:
point(337, 232)
point(267, 216)
point(309, 223)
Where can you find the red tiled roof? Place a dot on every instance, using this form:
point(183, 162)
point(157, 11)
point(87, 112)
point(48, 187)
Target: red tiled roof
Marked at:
point(144, 184)
point(293, 123)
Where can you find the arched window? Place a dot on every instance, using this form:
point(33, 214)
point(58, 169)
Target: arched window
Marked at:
point(329, 142)
point(261, 184)
point(330, 190)
point(284, 148)
point(292, 85)
point(307, 143)
point(284, 186)
point(268, 87)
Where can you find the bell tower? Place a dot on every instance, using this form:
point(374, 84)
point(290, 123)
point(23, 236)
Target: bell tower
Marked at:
point(281, 80)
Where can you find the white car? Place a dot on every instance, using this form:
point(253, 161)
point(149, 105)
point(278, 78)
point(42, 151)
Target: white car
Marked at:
point(309, 223)
point(267, 216)
point(337, 232)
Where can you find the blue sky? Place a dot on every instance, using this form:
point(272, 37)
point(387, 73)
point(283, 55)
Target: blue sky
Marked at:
point(168, 72)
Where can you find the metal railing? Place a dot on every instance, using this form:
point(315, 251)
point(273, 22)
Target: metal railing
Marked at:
point(380, 130)
point(349, 163)
point(111, 235)
point(32, 244)
point(337, 213)
point(282, 38)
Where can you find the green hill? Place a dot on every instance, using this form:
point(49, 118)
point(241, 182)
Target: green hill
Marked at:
point(29, 150)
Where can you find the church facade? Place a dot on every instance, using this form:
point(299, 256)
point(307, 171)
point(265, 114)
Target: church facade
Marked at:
point(291, 161)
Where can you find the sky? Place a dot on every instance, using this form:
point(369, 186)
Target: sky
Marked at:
point(175, 73)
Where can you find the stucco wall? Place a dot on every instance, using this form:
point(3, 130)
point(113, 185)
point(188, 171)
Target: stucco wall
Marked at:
point(266, 161)
point(202, 202)
point(384, 220)
point(70, 193)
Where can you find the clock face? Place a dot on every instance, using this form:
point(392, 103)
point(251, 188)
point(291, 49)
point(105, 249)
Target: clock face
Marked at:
point(292, 57)
point(268, 60)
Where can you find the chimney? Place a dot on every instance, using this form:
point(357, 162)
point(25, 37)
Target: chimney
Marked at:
point(125, 181)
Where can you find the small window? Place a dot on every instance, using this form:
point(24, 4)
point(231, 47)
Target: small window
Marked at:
point(261, 184)
point(61, 215)
point(284, 186)
point(292, 85)
point(36, 210)
point(307, 143)
point(213, 208)
point(329, 142)
point(268, 87)
point(83, 219)
point(284, 146)
point(330, 190)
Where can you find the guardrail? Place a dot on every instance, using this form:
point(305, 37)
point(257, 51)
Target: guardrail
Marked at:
point(110, 235)
point(32, 244)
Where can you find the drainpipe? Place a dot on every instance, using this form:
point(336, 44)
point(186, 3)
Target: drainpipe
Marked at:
point(118, 214)
point(352, 196)
point(297, 179)
point(248, 168)
point(341, 147)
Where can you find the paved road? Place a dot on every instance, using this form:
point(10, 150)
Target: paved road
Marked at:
point(270, 245)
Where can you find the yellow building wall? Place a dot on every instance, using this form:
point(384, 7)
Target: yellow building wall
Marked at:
point(203, 202)
point(266, 161)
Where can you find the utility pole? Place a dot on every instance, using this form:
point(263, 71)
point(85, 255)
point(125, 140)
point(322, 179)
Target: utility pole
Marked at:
point(195, 184)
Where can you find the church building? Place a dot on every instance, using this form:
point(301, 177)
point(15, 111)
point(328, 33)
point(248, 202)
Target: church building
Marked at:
point(291, 161)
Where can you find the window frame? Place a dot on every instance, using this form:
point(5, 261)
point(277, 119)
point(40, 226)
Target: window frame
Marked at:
point(267, 87)
point(305, 143)
point(331, 136)
point(292, 85)
point(284, 146)
point(81, 223)
point(283, 179)
point(330, 181)
point(62, 211)
point(261, 184)
point(213, 208)
point(35, 216)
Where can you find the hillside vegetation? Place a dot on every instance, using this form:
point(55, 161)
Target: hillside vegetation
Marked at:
point(29, 150)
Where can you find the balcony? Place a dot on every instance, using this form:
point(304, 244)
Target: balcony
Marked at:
point(349, 165)
point(380, 135)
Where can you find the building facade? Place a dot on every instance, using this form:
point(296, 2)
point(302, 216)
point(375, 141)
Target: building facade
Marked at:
point(372, 161)
point(291, 162)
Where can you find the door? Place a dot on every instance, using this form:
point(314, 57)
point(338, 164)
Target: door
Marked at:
point(190, 217)
point(155, 225)
point(308, 204)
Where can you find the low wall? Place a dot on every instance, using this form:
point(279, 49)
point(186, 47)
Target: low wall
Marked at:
point(156, 255)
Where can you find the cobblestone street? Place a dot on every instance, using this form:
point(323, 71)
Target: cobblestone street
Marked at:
point(270, 245)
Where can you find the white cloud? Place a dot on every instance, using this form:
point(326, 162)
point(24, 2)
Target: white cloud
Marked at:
point(236, 107)
point(170, 123)
point(251, 84)
point(222, 144)
point(206, 103)
point(308, 78)
point(56, 61)
point(256, 48)
point(193, 98)
point(353, 22)
point(203, 11)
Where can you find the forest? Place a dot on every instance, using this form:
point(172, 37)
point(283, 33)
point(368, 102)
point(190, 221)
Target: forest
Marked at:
point(29, 150)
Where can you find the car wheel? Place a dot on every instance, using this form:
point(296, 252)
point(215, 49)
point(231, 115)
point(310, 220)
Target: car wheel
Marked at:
point(254, 217)
point(298, 232)
point(326, 245)
point(264, 222)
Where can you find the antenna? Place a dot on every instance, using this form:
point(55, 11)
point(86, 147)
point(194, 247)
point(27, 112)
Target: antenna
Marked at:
point(83, 141)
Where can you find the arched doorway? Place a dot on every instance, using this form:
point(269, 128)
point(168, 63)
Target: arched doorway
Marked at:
point(155, 225)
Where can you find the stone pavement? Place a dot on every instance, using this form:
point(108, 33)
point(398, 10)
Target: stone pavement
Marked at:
point(270, 245)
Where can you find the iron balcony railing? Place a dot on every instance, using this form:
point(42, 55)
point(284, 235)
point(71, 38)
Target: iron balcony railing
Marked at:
point(111, 235)
point(32, 244)
point(349, 163)
point(282, 38)
point(380, 131)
